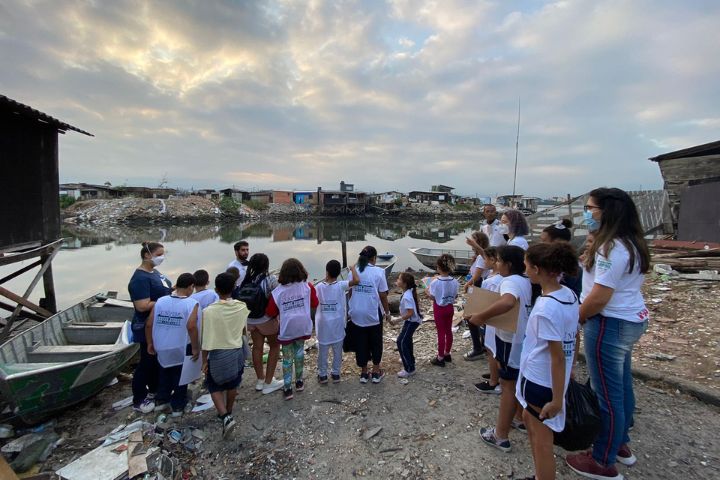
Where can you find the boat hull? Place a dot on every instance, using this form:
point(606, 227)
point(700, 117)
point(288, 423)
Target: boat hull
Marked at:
point(428, 257)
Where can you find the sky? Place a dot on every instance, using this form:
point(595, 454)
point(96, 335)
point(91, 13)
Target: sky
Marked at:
point(388, 95)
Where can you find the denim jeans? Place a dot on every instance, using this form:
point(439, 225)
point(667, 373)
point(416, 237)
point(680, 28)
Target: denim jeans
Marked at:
point(609, 344)
point(405, 345)
point(323, 351)
point(169, 390)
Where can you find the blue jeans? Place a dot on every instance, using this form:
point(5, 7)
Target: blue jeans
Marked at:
point(608, 349)
point(169, 390)
point(405, 345)
point(324, 350)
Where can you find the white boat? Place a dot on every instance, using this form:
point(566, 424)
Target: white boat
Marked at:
point(429, 257)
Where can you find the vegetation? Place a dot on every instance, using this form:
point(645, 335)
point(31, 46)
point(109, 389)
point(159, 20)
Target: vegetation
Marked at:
point(66, 201)
point(256, 205)
point(464, 207)
point(229, 206)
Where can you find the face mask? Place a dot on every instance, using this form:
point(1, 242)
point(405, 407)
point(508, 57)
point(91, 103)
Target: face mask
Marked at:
point(156, 261)
point(592, 224)
point(504, 229)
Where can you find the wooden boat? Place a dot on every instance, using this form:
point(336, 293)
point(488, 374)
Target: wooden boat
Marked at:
point(429, 256)
point(66, 359)
point(387, 262)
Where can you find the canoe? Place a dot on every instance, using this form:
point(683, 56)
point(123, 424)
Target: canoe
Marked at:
point(385, 261)
point(429, 256)
point(66, 359)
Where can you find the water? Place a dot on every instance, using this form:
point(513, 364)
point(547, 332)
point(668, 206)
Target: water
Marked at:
point(103, 259)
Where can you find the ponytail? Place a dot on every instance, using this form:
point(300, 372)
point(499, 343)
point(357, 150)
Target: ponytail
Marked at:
point(367, 254)
point(409, 282)
point(149, 248)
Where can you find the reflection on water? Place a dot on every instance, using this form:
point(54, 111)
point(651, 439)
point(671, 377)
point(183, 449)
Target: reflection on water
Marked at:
point(103, 258)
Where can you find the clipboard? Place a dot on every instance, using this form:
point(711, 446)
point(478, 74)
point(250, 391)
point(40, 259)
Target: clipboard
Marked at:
point(479, 299)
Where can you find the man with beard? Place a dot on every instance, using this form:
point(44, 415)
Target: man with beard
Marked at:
point(242, 252)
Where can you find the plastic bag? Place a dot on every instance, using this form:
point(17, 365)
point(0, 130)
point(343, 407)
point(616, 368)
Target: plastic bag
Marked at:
point(126, 334)
point(582, 418)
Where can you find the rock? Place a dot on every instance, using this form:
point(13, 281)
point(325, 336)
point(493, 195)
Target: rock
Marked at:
point(394, 303)
point(372, 432)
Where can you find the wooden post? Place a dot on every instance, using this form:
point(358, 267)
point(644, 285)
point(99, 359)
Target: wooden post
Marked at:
point(344, 253)
point(570, 212)
point(49, 302)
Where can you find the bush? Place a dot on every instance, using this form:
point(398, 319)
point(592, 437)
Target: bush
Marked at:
point(256, 205)
point(66, 201)
point(464, 207)
point(228, 206)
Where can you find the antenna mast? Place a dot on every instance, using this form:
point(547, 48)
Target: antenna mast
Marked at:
point(517, 144)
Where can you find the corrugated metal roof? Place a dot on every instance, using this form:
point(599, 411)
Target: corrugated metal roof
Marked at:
point(712, 148)
point(26, 111)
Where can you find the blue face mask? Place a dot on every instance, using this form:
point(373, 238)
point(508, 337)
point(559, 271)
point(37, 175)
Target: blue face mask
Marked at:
point(592, 224)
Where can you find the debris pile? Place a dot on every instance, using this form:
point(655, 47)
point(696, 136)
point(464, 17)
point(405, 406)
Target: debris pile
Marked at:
point(687, 257)
point(142, 210)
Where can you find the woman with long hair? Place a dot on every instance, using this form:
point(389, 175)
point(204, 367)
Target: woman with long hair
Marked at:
point(614, 317)
point(514, 225)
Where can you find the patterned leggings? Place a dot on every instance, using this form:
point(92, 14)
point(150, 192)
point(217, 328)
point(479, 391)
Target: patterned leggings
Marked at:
point(293, 353)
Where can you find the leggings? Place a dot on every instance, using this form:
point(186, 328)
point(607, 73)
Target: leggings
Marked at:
point(443, 322)
point(293, 353)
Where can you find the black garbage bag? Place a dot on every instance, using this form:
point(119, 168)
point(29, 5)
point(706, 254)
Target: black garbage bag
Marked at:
point(582, 418)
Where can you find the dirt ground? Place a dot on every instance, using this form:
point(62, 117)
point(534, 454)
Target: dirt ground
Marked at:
point(429, 428)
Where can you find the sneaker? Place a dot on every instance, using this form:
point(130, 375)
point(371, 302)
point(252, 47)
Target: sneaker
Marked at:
point(322, 379)
point(378, 376)
point(163, 407)
point(405, 374)
point(625, 456)
point(273, 386)
point(146, 406)
point(518, 425)
point(177, 413)
point(466, 334)
point(488, 436)
point(486, 376)
point(228, 425)
point(437, 362)
point(448, 358)
point(299, 385)
point(259, 385)
point(485, 387)
point(364, 377)
point(288, 393)
point(472, 355)
point(335, 378)
point(585, 465)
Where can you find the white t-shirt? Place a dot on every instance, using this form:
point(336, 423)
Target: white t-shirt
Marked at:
point(552, 319)
point(491, 283)
point(479, 263)
point(626, 302)
point(444, 290)
point(494, 235)
point(365, 299)
point(519, 242)
point(331, 315)
point(205, 297)
point(407, 302)
point(519, 287)
point(169, 331)
point(293, 303)
point(243, 268)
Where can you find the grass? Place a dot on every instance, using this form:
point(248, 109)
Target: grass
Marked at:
point(255, 205)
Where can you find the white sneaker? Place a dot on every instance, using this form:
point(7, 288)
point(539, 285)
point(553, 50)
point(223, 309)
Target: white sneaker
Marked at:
point(259, 385)
point(146, 406)
point(466, 334)
point(405, 374)
point(272, 386)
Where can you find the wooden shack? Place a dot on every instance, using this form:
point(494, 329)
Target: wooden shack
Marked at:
point(692, 181)
point(30, 202)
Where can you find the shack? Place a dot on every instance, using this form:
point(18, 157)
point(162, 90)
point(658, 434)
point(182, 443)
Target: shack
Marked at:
point(87, 191)
point(692, 181)
point(235, 194)
point(305, 197)
point(31, 227)
point(345, 201)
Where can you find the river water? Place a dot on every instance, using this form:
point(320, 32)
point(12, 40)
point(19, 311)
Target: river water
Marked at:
point(103, 259)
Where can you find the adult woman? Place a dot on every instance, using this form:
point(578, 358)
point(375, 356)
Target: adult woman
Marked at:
point(366, 316)
point(261, 327)
point(514, 225)
point(145, 287)
point(614, 317)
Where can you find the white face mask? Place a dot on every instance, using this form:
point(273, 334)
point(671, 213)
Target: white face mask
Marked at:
point(503, 229)
point(156, 261)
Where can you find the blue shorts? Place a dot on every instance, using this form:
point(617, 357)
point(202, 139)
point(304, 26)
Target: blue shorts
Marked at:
point(502, 355)
point(222, 387)
point(535, 395)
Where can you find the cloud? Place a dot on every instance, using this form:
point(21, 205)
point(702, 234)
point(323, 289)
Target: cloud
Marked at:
point(386, 95)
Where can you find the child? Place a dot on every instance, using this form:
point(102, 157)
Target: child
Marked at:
point(203, 295)
point(235, 272)
point(514, 288)
point(222, 349)
point(442, 291)
point(294, 301)
point(492, 283)
point(171, 330)
point(331, 318)
point(478, 272)
point(548, 350)
point(410, 313)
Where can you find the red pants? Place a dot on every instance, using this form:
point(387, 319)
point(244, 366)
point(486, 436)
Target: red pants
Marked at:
point(443, 323)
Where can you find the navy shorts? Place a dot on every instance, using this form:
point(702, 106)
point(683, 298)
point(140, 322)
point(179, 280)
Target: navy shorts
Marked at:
point(535, 395)
point(221, 387)
point(502, 355)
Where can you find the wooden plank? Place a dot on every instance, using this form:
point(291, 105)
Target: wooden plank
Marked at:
point(35, 252)
point(6, 473)
point(24, 302)
point(17, 273)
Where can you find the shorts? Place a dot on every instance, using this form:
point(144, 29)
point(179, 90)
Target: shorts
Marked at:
point(502, 355)
point(221, 387)
point(266, 329)
point(535, 395)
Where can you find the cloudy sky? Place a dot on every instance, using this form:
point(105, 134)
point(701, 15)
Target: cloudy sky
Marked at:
point(388, 94)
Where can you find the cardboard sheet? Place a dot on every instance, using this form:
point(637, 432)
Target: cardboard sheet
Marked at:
point(479, 299)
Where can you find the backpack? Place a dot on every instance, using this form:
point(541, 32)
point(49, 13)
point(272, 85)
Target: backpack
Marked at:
point(254, 296)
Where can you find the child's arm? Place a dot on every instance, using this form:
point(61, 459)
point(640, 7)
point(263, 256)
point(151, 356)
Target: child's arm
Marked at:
point(386, 306)
point(504, 305)
point(557, 368)
point(355, 280)
point(476, 276)
point(575, 354)
point(409, 313)
point(148, 331)
point(193, 332)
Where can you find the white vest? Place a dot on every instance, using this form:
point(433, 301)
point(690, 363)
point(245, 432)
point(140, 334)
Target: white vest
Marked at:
point(169, 333)
point(293, 302)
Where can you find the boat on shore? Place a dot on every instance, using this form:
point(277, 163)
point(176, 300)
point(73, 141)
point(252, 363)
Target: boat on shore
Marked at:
point(66, 359)
point(429, 256)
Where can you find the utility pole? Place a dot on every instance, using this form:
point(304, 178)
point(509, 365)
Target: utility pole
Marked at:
point(517, 144)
